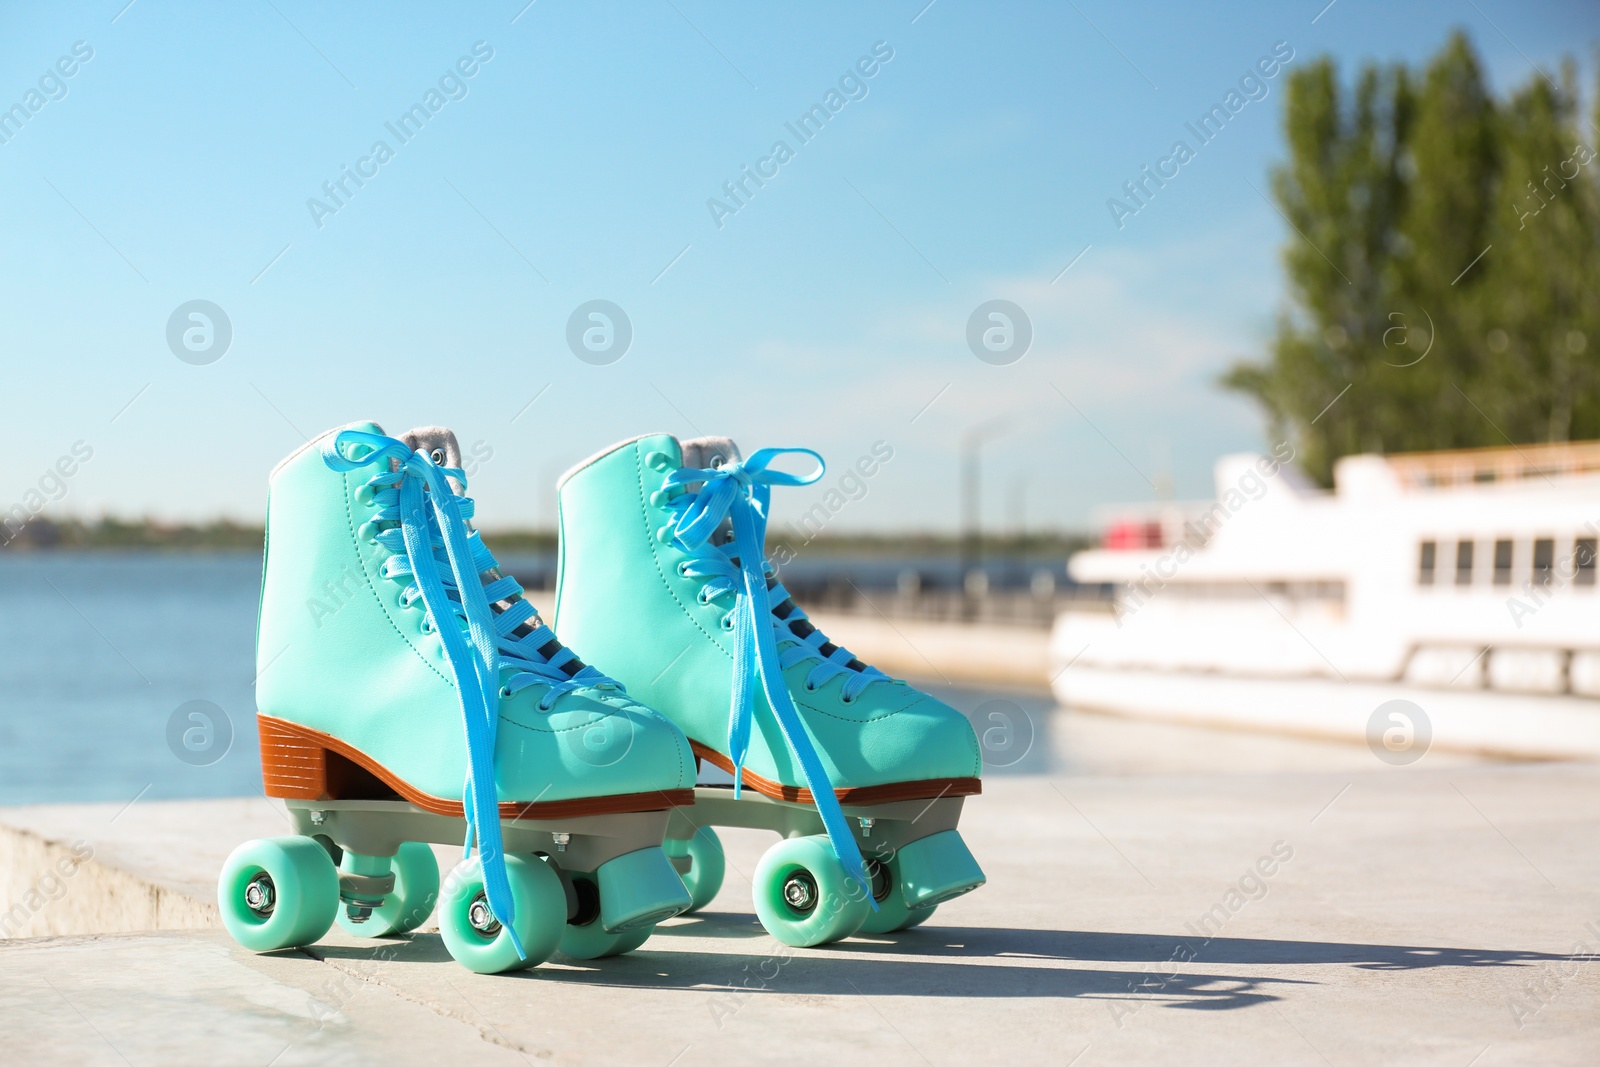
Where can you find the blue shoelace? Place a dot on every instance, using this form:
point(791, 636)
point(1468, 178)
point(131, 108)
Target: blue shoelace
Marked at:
point(741, 492)
point(424, 523)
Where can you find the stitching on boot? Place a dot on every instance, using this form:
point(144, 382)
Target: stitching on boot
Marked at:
point(350, 525)
point(655, 552)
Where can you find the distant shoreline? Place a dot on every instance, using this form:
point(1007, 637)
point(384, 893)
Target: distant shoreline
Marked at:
point(45, 535)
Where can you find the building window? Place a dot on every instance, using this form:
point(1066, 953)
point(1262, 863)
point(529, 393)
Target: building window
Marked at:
point(1463, 562)
point(1584, 553)
point(1544, 561)
point(1502, 562)
point(1425, 562)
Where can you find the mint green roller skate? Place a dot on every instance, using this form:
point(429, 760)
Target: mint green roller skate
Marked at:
point(662, 579)
point(408, 694)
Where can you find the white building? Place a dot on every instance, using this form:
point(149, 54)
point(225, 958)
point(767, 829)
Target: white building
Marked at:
point(1464, 582)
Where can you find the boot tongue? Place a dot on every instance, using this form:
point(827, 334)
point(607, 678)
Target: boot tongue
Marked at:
point(440, 443)
point(709, 452)
point(441, 446)
point(436, 440)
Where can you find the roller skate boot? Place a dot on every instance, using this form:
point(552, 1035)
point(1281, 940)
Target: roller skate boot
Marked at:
point(662, 578)
point(409, 694)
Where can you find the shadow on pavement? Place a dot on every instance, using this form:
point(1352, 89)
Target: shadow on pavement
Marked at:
point(978, 962)
point(1089, 946)
point(1094, 946)
point(776, 968)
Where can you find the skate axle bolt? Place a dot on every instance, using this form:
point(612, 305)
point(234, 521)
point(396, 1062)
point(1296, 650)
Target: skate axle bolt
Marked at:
point(800, 891)
point(561, 839)
point(260, 895)
point(482, 918)
point(866, 825)
point(357, 913)
point(318, 818)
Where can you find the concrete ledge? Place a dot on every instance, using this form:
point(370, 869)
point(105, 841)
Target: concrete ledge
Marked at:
point(55, 888)
point(76, 869)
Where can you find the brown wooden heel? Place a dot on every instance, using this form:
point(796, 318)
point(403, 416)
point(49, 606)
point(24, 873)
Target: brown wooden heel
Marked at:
point(293, 766)
point(301, 763)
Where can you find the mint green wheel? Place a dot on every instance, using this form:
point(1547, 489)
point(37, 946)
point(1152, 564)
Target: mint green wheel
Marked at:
point(278, 892)
point(585, 936)
point(707, 865)
point(416, 888)
point(903, 919)
point(802, 895)
point(475, 937)
point(892, 913)
point(590, 942)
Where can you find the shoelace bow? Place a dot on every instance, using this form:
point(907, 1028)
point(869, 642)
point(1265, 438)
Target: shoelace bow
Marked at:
point(423, 516)
point(741, 492)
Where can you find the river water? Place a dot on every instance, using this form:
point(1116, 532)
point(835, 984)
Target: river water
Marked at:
point(107, 658)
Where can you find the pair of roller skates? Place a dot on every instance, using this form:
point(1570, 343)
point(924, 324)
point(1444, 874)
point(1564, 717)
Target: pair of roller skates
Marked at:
point(408, 694)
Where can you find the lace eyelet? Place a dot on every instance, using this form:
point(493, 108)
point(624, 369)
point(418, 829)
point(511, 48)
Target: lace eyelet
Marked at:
point(847, 700)
point(658, 498)
point(727, 621)
point(546, 708)
point(438, 457)
point(427, 627)
point(368, 532)
point(505, 692)
point(657, 461)
point(810, 688)
point(683, 569)
point(664, 535)
point(364, 495)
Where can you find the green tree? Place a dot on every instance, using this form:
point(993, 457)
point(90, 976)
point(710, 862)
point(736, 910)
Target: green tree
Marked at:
point(1397, 189)
point(1454, 163)
point(1540, 380)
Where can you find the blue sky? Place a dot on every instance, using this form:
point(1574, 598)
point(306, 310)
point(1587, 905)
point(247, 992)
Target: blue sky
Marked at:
point(576, 163)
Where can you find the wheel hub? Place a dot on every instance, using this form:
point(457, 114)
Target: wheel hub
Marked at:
point(481, 917)
point(587, 897)
point(882, 881)
point(260, 896)
point(800, 891)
